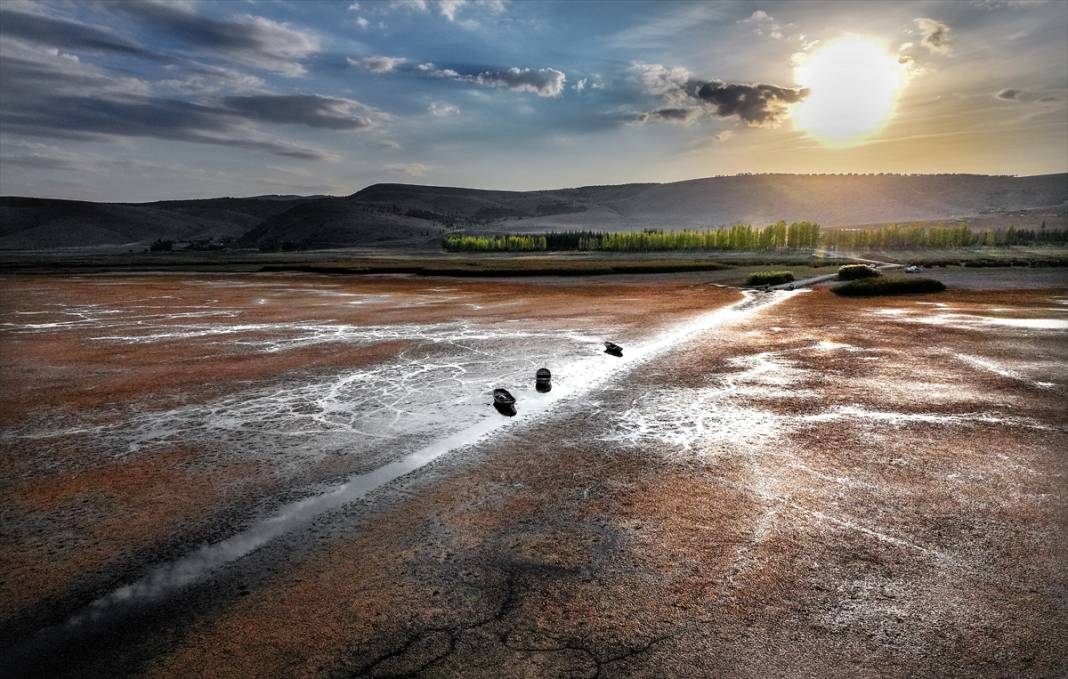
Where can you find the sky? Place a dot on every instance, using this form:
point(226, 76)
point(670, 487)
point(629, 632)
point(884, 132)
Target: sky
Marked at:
point(147, 100)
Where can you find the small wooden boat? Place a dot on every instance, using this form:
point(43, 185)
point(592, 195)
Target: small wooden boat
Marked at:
point(504, 402)
point(613, 349)
point(503, 397)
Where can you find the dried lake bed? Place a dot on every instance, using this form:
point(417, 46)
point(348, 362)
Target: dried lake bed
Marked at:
point(284, 474)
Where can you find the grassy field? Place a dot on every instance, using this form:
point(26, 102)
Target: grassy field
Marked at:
point(974, 256)
point(727, 267)
point(896, 285)
point(429, 263)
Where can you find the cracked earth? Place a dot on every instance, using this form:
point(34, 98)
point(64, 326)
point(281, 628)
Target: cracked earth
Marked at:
point(294, 475)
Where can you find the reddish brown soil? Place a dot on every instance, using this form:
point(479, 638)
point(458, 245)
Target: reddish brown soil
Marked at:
point(847, 547)
point(77, 519)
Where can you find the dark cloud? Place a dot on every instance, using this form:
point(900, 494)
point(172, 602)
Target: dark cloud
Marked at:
point(94, 118)
point(544, 82)
point(686, 97)
point(669, 115)
point(68, 34)
point(305, 109)
point(755, 104)
point(253, 40)
point(57, 96)
point(35, 162)
point(1013, 94)
point(29, 71)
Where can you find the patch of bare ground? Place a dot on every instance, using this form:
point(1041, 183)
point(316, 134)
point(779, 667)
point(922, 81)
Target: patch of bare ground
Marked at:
point(71, 530)
point(886, 509)
point(81, 513)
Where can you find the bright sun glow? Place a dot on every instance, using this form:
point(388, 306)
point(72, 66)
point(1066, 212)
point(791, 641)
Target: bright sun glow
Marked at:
point(854, 85)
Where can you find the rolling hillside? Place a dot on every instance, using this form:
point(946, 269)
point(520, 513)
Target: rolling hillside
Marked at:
point(404, 214)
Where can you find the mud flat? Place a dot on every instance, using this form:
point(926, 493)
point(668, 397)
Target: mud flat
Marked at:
point(789, 485)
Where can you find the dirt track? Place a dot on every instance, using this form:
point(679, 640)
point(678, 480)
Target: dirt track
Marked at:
point(830, 487)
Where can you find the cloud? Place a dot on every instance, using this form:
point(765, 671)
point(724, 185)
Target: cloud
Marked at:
point(544, 82)
point(68, 35)
point(354, 7)
point(593, 83)
point(89, 118)
point(683, 116)
point(202, 79)
point(449, 9)
point(252, 40)
point(442, 109)
point(415, 5)
point(756, 104)
point(1013, 94)
point(362, 23)
point(310, 110)
point(28, 71)
point(410, 169)
point(377, 64)
point(935, 35)
point(55, 96)
point(764, 24)
point(1007, 4)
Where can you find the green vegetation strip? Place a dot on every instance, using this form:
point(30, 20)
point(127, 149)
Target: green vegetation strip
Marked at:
point(852, 272)
point(505, 268)
point(777, 236)
point(872, 287)
point(769, 277)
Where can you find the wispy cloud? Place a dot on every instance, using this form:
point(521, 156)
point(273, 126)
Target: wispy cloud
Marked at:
point(310, 110)
point(441, 109)
point(252, 40)
point(410, 169)
point(544, 82)
point(69, 35)
point(377, 64)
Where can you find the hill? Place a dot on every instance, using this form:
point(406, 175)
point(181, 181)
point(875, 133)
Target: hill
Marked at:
point(404, 214)
point(44, 223)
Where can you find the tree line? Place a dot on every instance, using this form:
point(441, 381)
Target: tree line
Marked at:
point(777, 236)
point(745, 237)
point(918, 237)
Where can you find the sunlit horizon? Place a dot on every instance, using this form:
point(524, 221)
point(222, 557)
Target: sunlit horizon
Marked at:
point(149, 101)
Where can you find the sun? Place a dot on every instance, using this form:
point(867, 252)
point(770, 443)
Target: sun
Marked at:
point(853, 89)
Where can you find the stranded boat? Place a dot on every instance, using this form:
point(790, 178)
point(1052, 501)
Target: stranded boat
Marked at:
point(504, 402)
point(613, 348)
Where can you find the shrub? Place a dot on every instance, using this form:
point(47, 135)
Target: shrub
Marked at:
point(871, 287)
point(769, 277)
point(852, 272)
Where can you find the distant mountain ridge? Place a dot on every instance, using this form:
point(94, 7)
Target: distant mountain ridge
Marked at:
point(403, 214)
